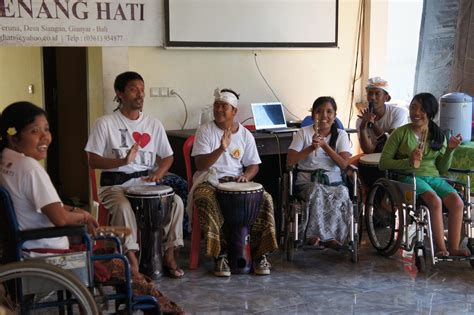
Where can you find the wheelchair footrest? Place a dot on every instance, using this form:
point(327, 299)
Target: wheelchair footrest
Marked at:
point(454, 258)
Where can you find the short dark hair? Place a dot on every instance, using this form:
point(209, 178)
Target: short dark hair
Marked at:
point(122, 80)
point(17, 115)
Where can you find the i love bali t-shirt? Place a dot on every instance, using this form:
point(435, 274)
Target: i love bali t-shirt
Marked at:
point(114, 134)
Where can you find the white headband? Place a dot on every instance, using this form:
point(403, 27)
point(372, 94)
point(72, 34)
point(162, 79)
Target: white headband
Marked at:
point(227, 97)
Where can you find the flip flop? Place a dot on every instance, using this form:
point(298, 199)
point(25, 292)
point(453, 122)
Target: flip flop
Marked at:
point(333, 244)
point(174, 273)
point(314, 242)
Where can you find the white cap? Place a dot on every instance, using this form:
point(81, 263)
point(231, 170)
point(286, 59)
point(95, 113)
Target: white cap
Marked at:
point(378, 83)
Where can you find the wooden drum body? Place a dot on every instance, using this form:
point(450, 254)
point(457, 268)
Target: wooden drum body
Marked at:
point(152, 208)
point(240, 206)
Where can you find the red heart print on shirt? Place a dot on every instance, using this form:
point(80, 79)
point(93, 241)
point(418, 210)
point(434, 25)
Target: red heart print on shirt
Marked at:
point(141, 139)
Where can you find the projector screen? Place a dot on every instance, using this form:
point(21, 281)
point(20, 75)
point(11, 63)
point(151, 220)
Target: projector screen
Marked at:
point(251, 23)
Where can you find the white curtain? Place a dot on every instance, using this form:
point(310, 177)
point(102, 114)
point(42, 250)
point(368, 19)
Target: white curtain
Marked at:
point(462, 78)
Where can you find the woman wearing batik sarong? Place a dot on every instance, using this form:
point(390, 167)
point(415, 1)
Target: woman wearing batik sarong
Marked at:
point(321, 152)
point(224, 150)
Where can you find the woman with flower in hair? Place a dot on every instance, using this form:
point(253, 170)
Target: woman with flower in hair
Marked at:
point(25, 138)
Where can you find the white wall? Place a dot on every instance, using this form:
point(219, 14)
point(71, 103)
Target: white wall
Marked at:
point(394, 46)
point(297, 76)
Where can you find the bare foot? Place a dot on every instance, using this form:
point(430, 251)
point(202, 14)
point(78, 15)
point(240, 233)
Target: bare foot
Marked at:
point(170, 266)
point(442, 253)
point(460, 252)
point(133, 261)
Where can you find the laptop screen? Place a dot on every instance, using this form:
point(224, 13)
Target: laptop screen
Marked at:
point(268, 115)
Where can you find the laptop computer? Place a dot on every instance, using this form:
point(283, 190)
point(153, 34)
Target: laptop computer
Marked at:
point(270, 117)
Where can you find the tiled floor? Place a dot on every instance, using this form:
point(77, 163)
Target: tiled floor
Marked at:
point(327, 282)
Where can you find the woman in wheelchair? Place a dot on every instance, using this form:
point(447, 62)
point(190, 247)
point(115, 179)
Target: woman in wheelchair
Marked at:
point(25, 137)
point(406, 151)
point(321, 151)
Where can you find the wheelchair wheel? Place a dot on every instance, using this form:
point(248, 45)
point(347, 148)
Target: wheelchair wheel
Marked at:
point(420, 257)
point(290, 244)
point(290, 247)
point(354, 249)
point(36, 287)
point(470, 246)
point(384, 217)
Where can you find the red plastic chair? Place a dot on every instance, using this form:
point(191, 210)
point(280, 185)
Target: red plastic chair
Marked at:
point(196, 229)
point(103, 213)
point(250, 127)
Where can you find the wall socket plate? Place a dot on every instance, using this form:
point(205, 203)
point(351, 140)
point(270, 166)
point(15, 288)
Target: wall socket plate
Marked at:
point(164, 91)
point(154, 92)
point(160, 91)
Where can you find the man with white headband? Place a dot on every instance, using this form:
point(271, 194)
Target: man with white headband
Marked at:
point(228, 149)
point(380, 119)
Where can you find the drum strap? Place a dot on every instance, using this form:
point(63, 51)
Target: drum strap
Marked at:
point(118, 178)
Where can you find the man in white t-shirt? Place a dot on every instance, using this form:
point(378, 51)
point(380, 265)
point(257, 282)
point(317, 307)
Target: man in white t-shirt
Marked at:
point(229, 149)
point(380, 119)
point(127, 146)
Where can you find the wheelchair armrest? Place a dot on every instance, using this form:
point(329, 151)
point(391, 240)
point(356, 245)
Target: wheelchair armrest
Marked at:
point(396, 172)
point(56, 231)
point(352, 167)
point(462, 171)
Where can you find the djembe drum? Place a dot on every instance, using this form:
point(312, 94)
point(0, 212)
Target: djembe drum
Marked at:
point(369, 169)
point(151, 206)
point(240, 205)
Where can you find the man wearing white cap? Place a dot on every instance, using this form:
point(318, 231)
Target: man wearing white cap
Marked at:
point(380, 119)
point(227, 150)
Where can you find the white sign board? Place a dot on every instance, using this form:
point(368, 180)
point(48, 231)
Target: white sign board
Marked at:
point(81, 22)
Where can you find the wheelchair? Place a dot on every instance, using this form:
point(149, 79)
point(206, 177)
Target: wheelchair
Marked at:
point(62, 282)
point(294, 209)
point(396, 219)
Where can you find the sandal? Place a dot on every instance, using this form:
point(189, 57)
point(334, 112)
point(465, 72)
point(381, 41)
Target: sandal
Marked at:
point(315, 243)
point(333, 244)
point(174, 273)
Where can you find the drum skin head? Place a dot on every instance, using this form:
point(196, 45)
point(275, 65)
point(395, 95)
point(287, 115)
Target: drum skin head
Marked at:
point(235, 186)
point(370, 159)
point(146, 190)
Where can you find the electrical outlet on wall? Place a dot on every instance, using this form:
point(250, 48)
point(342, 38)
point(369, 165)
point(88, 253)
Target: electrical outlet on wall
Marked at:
point(154, 92)
point(164, 91)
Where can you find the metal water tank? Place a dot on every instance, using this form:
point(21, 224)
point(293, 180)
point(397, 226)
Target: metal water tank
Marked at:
point(455, 114)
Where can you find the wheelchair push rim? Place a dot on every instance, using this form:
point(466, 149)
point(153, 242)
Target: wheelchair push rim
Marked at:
point(68, 290)
point(384, 217)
